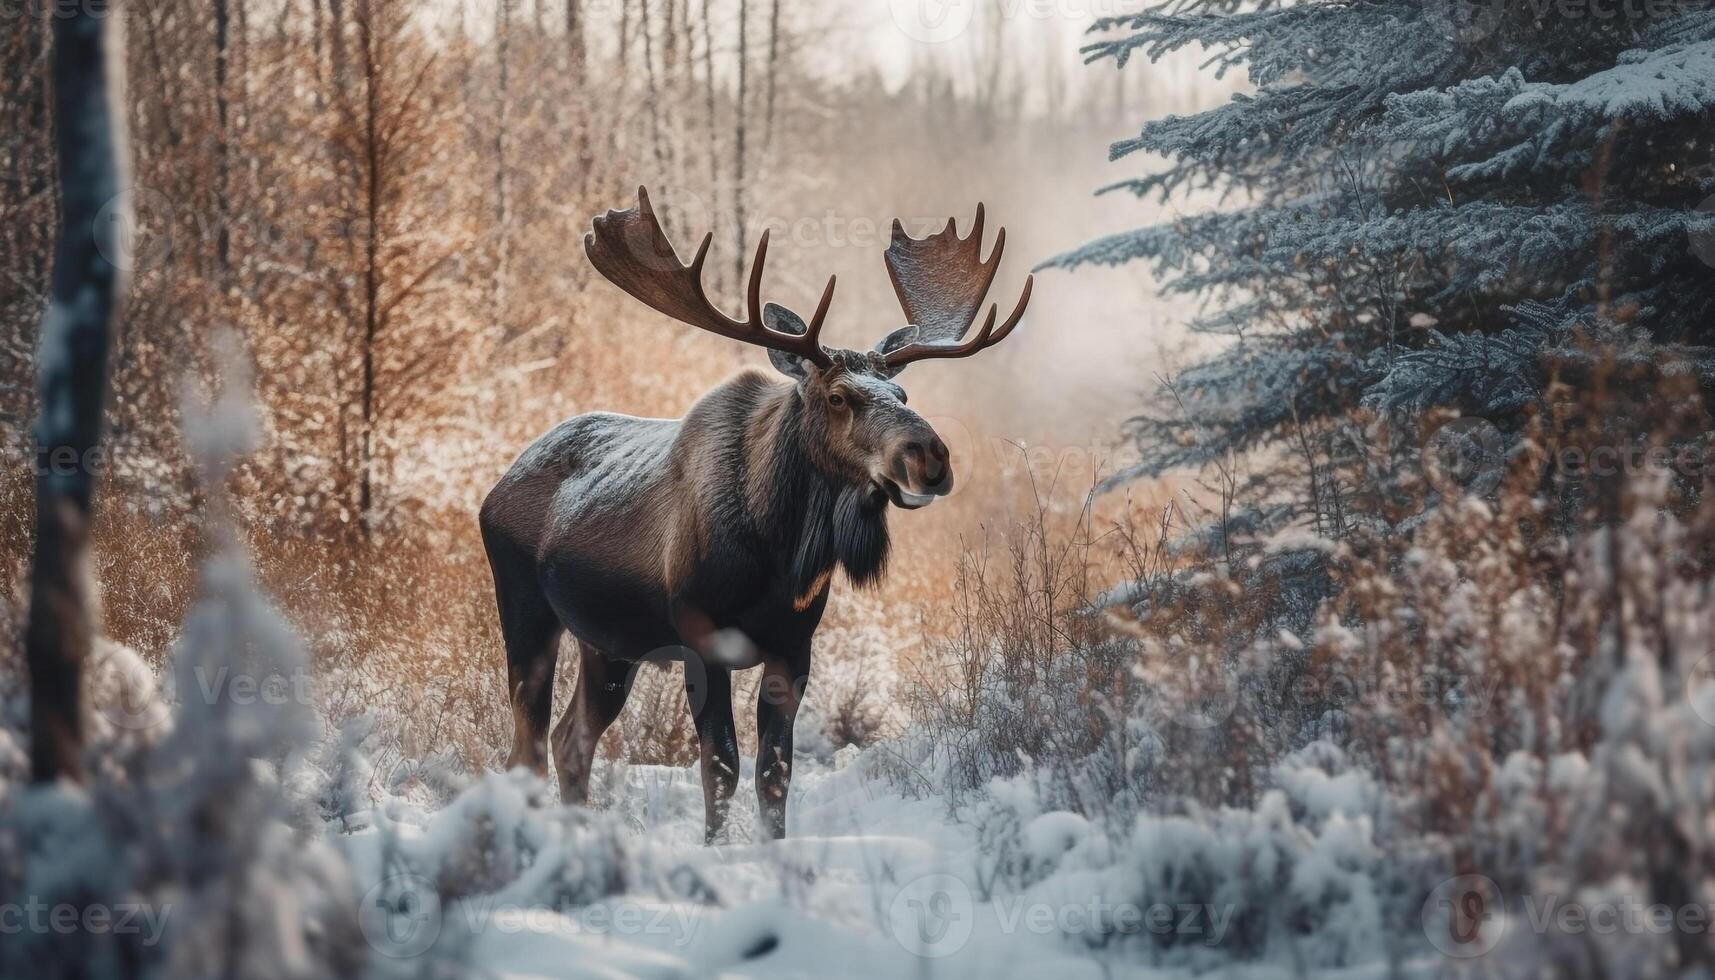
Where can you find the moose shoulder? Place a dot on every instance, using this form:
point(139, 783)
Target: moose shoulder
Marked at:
point(714, 537)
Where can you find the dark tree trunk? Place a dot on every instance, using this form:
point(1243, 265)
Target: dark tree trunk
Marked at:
point(502, 188)
point(374, 173)
point(575, 42)
point(223, 136)
point(72, 367)
point(740, 236)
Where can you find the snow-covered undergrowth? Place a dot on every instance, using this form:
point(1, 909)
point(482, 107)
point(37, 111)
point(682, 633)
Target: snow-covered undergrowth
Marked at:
point(235, 830)
point(290, 855)
point(238, 831)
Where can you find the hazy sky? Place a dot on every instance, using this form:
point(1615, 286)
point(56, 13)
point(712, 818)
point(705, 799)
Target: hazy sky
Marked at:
point(1043, 37)
point(899, 32)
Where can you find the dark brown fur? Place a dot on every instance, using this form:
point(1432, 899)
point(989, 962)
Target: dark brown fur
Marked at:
point(711, 539)
point(653, 539)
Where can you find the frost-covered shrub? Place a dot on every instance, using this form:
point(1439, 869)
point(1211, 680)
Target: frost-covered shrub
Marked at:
point(1027, 680)
point(1310, 894)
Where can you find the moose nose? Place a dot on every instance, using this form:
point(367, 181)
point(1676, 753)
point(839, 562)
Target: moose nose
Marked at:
point(929, 457)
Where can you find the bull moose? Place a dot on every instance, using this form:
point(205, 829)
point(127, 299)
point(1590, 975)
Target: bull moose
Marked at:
point(644, 536)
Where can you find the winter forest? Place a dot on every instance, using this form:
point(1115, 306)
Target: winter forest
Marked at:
point(1293, 557)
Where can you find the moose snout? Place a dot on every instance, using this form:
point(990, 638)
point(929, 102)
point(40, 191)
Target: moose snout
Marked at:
point(922, 465)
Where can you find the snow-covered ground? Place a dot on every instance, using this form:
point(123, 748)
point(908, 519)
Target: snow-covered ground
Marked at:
point(868, 883)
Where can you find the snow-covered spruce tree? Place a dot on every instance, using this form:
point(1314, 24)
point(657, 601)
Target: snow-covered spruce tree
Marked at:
point(1427, 204)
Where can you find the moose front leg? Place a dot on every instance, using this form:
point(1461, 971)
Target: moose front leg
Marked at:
point(709, 692)
point(783, 683)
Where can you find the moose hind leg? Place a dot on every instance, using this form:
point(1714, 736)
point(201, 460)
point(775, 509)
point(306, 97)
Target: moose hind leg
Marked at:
point(530, 632)
point(600, 697)
point(532, 636)
point(777, 699)
point(711, 710)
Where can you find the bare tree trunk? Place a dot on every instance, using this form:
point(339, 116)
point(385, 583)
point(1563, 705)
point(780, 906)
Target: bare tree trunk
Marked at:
point(72, 368)
point(502, 219)
point(738, 177)
point(773, 72)
point(575, 53)
point(654, 95)
point(670, 42)
point(374, 173)
point(582, 117)
point(336, 42)
point(624, 37)
point(709, 108)
point(316, 30)
point(223, 147)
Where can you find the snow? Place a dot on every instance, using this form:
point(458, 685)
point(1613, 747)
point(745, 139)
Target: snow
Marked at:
point(842, 895)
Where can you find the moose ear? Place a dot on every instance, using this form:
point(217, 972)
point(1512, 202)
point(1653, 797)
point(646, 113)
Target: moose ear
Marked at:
point(897, 339)
point(777, 317)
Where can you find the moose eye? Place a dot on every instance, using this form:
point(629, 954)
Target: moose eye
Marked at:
point(838, 401)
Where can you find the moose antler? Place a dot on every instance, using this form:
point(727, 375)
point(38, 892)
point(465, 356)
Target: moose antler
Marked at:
point(630, 249)
point(941, 281)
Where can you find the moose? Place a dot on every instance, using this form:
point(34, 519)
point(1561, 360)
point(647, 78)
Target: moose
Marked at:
point(712, 539)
